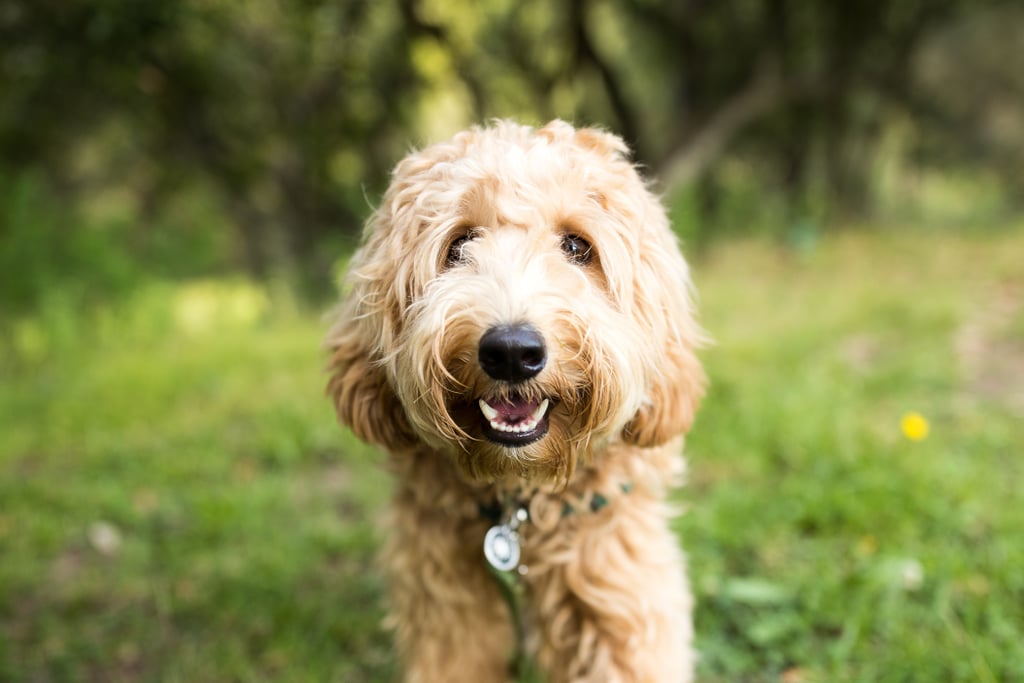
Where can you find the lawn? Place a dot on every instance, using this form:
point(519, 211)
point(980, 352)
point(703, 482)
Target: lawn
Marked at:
point(178, 504)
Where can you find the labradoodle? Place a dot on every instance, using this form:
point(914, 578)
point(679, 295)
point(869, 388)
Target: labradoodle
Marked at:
point(518, 333)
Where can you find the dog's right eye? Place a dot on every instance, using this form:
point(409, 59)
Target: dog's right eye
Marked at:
point(577, 249)
point(456, 253)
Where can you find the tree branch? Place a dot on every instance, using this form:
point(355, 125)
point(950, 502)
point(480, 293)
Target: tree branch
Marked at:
point(586, 53)
point(766, 92)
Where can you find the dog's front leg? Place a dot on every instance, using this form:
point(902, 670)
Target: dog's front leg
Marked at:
point(613, 606)
point(451, 622)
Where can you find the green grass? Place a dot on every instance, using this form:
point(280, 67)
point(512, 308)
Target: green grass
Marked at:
point(826, 546)
point(178, 504)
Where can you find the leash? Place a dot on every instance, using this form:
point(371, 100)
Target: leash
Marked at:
point(502, 552)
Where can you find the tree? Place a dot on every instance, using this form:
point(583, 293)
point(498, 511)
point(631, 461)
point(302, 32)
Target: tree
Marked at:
point(290, 114)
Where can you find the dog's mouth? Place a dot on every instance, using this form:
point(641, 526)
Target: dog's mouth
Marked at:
point(514, 421)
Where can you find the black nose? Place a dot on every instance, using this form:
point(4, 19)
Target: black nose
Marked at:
point(513, 353)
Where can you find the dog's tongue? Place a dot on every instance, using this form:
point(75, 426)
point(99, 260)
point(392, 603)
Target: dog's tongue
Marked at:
point(516, 410)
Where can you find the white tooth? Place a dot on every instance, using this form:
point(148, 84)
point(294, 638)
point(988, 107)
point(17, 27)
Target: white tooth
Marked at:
point(527, 425)
point(489, 412)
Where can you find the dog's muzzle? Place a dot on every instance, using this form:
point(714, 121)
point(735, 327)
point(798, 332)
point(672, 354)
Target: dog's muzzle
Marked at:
point(513, 354)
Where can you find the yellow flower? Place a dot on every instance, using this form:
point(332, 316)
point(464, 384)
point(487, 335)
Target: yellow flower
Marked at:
point(915, 426)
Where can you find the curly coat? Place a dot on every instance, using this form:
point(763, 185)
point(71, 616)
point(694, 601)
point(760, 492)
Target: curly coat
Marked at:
point(554, 232)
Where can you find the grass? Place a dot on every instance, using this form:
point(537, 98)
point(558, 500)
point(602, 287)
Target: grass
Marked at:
point(825, 545)
point(177, 503)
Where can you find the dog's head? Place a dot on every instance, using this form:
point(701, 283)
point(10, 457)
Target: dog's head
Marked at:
point(518, 302)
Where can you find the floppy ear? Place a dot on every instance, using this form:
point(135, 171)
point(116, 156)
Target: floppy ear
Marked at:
point(380, 285)
point(365, 326)
point(673, 398)
point(362, 396)
point(663, 306)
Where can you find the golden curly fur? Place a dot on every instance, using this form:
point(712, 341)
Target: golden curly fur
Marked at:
point(551, 231)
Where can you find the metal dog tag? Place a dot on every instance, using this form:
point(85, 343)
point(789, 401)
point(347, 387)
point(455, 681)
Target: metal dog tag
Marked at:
point(501, 548)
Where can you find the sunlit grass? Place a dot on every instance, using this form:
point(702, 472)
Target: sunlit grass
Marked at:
point(178, 501)
point(178, 504)
point(824, 543)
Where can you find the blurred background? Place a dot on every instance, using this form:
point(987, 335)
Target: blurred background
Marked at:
point(185, 138)
point(182, 182)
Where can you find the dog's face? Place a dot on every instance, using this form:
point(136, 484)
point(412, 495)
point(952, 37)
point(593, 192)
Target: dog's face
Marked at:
point(519, 302)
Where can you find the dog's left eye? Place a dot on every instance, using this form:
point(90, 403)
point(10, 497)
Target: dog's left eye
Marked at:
point(577, 249)
point(456, 255)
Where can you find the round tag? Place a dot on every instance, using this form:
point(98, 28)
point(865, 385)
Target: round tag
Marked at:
point(501, 548)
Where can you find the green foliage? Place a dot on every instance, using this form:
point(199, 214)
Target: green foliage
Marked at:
point(42, 257)
point(285, 118)
point(56, 255)
point(180, 505)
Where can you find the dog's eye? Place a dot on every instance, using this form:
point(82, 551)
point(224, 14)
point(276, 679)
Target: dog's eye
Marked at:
point(456, 250)
point(577, 249)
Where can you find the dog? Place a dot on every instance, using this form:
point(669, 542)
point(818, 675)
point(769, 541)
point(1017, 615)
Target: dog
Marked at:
point(518, 332)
